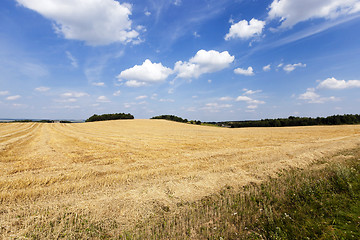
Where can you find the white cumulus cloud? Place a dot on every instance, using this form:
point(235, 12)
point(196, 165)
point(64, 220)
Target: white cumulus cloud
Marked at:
point(134, 83)
point(203, 62)
point(187, 70)
point(252, 103)
point(147, 73)
point(245, 29)
point(74, 94)
point(42, 89)
point(103, 99)
point(248, 100)
point(250, 92)
point(97, 22)
point(252, 107)
point(141, 97)
point(267, 68)
point(291, 12)
point(226, 99)
point(333, 83)
point(247, 72)
point(12, 98)
point(312, 97)
point(291, 67)
point(117, 93)
point(3, 93)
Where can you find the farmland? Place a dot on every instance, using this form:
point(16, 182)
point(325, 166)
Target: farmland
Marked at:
point(124, 171)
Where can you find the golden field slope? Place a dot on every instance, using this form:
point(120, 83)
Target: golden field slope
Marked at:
point(124, 170)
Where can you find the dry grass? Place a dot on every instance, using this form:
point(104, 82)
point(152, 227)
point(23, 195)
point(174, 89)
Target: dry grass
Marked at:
point(119, 172)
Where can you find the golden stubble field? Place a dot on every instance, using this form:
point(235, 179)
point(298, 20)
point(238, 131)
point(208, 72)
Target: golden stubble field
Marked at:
point(126, 170)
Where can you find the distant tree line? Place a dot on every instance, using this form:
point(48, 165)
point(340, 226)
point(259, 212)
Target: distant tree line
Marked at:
point(23, 120)
point(294, 121)
point(42, 121)
point(171, 118)
point(106, 117)
point(177, 119)
point(65, 121)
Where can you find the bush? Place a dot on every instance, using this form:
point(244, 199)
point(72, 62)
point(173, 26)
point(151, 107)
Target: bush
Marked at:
point(106, 117)
point(171, 118)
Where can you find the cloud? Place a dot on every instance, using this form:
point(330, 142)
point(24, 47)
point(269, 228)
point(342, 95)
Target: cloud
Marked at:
point(177, 2)
point(141, 97)
point(245, 29)
point(17, 105)
point(3, 93)
point(74, 94)
point(203, 62)
point(70, 107)
point(250, 92)
point(166, 100)
point(117, 93)
point(67, 100)
point(252, 107)
point(147, 13)
point(95, 68)
point(128, 105)
point(267, 68)
point(147, 73)
point(98, 84)
point(72, 59)
point(12, 98)
point(243, 98)
point(42, 89)
point(309, 31)
point(247, 72)
point(291, 67)
point(97, 22)
point(309, 95)
point(134, 83)
point(291, 12)
point(102, 99)
point(215, 107)
point(252, 103)
point(196, 35)
point(248, 100)
point(312, 97)
point(187, 70)
point(226, 99)
point(332, 83)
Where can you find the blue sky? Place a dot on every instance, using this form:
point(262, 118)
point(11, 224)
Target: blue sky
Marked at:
point(207, 59)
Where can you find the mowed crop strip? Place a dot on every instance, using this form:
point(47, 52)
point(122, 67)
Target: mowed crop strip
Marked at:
point(126, 170)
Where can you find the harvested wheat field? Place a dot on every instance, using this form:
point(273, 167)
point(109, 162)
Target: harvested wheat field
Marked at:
point(120, 172)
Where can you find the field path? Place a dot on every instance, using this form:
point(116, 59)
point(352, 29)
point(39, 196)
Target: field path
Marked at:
point(124, 170)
